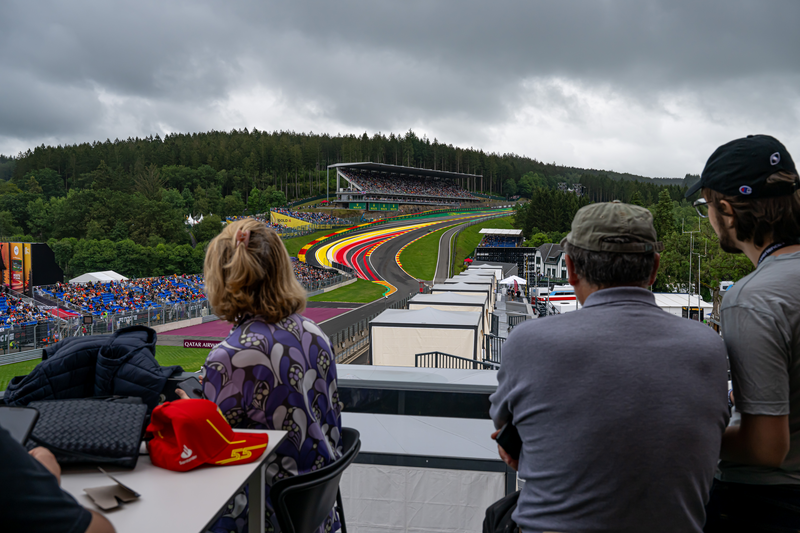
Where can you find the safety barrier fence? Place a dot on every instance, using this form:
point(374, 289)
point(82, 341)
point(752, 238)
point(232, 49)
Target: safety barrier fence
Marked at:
point(344, 268)
point(493, 349)
point(21, 338)
point(318, 285)
point(446, 360)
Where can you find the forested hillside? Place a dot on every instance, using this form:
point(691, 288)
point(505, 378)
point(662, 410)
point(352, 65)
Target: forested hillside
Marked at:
point(135, 194)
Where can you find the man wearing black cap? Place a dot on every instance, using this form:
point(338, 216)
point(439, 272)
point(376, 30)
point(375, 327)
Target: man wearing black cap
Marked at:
point(750, 196)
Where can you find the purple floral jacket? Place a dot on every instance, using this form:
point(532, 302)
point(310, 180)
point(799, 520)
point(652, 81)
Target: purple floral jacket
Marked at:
point(278, 376)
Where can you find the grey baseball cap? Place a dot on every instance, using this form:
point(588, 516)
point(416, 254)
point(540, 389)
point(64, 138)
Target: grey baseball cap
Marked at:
point(595, 225)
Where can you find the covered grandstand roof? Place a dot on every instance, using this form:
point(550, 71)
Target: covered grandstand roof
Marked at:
point(509, 232)
point(106, 276)
point(399, 169)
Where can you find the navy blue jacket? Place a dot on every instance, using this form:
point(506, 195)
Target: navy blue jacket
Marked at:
point(121, 364)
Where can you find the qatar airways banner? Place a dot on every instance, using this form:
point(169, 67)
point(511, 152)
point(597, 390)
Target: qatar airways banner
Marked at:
point(187, 343)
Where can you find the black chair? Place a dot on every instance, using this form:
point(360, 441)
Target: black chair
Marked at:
point(303, 502)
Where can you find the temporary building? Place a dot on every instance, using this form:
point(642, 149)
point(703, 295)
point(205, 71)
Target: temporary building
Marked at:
point(677, 304)
point(479, 276)
point(467, 289)
point(107, 276)
point(397, 335)
point(451, 301)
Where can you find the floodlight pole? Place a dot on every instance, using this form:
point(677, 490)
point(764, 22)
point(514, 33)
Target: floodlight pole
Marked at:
point(691, 248)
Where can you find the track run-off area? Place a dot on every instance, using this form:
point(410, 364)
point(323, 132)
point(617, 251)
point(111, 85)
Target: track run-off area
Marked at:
point(373, 251)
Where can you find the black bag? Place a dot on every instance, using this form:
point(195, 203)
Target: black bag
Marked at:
point(91, 430)
point(498, 515)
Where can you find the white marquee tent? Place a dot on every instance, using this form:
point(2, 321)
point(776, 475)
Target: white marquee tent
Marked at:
point(106, 276)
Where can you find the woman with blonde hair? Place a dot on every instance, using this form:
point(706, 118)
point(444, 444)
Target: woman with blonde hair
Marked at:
point(276, 368)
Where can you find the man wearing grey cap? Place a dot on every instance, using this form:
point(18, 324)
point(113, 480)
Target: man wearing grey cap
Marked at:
point(751, 198)
point(620, 406)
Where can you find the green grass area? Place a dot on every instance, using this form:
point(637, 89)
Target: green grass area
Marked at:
point(362, 291)
point(17, 369)
point(420, 258)
point(191, 359)
point(294, 245)
point(469, 239)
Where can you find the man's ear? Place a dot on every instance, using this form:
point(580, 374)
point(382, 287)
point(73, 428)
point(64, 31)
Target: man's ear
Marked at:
point(726, 210)
point(572, 276)
point(654, 273)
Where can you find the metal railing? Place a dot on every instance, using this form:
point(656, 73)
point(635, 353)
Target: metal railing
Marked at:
point(317, 285)
point(446, 360)
point(515, 319)
point(493, 351)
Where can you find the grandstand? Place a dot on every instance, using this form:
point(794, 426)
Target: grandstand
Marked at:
point(381, 187)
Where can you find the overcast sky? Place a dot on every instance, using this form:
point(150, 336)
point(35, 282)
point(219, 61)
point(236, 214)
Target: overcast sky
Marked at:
point(647, 87)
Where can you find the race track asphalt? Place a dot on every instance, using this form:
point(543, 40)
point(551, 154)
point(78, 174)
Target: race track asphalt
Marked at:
point(381, 263)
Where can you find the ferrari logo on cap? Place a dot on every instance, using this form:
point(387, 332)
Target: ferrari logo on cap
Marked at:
point(186, 453)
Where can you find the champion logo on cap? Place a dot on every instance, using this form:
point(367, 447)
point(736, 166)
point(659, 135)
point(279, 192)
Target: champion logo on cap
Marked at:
point(746, 189)
point(775, 158)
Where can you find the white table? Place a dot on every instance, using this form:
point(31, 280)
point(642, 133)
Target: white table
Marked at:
point(176, 501)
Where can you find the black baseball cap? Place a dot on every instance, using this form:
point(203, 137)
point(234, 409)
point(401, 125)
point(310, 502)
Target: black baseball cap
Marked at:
point(741, 168)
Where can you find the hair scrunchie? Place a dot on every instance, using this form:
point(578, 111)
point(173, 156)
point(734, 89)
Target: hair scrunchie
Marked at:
point(242, 237)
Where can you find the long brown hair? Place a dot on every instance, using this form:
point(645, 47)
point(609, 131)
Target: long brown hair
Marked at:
point(248, 272)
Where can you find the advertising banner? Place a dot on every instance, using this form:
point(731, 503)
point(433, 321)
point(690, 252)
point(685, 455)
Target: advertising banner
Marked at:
point(357, 205)
point(6, 262)
point(27, 260)
point(284, 220)
point(375, 206)
point(187, 343)
point(16, 266)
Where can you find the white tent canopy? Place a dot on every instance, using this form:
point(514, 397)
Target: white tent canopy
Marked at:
point(511, 279)
point(99, 277)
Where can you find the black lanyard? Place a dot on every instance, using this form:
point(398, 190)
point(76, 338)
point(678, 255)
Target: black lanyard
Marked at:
point(772, 248)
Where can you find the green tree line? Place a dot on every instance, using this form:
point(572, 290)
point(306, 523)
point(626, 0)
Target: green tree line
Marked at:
point(287, 161)
point(547, 218)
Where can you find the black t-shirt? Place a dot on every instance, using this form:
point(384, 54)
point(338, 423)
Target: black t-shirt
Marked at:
point(30, 498)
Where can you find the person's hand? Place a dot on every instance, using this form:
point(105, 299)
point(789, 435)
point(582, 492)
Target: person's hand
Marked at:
point(182, 394)
point(48, 460)
point(513, 463)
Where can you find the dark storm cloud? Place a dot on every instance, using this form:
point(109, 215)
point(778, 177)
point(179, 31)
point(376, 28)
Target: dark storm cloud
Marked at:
point(84, 70)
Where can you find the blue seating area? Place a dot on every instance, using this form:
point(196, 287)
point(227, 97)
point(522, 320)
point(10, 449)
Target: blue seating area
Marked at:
point(129, 296)
point(496, 241)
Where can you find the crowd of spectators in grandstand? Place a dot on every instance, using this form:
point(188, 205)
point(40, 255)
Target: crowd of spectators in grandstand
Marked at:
point(306, 273)
point(130, 295)
point(264, 217)
point(14, 312)
point(499, 241)
point(313, 218)
point(375, 183)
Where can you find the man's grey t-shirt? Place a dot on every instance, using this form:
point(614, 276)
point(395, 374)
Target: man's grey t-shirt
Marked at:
point(621, 408)
point(760, 316)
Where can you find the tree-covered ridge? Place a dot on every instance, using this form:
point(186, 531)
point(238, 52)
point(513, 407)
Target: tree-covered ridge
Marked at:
point(281, 159)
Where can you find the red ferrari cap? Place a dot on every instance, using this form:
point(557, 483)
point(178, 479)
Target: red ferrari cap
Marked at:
point(190, 433)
